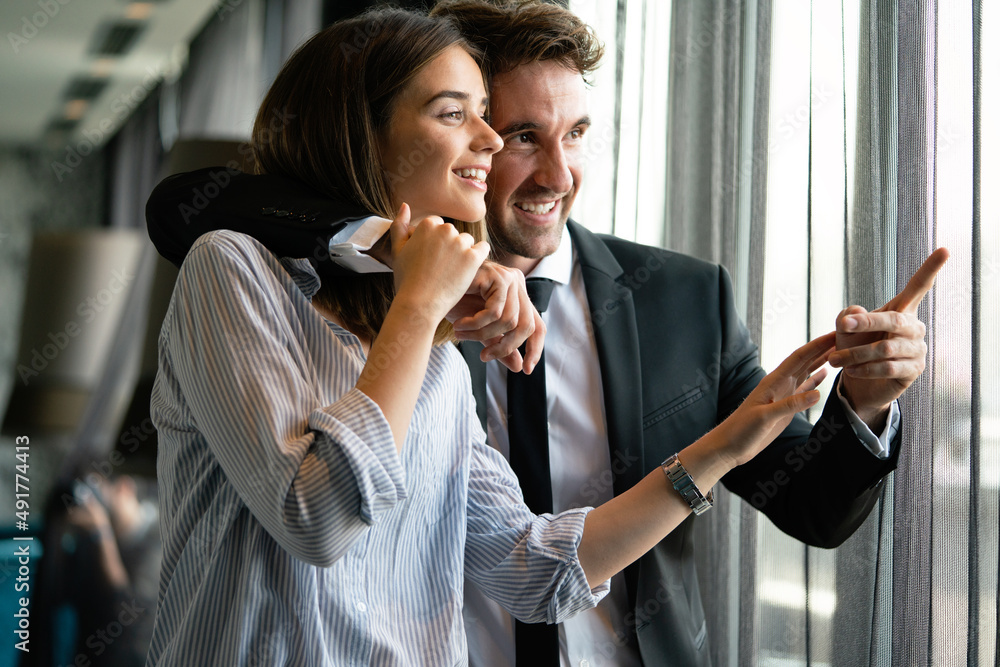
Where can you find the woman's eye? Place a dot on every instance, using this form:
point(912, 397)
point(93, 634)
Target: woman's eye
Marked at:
point(455, 115)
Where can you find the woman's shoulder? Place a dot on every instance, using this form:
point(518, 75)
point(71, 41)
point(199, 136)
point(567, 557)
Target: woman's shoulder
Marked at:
point(226, 252)
point(447, 364)
point(225, 257)
point(225, 244)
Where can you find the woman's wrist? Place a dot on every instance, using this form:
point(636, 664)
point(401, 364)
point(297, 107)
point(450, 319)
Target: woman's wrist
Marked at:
point(707, 460)
point(420, 311)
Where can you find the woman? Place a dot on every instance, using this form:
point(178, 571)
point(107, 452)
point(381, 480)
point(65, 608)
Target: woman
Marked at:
point(325, 484)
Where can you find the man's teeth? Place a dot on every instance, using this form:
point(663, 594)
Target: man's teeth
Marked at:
point(474, 174)
point(539, 209)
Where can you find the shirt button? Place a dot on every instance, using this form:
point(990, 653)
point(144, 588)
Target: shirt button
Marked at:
point(362, 607)
point(584, 663)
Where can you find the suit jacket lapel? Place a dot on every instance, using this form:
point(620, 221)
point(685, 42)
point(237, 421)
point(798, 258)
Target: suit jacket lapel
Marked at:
point(477, 369)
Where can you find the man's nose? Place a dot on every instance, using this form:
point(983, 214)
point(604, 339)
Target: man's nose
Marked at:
point(553, 171)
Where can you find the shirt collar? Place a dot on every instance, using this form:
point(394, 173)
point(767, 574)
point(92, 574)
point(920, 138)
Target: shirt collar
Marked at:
point(559, 265)
point(303, 274)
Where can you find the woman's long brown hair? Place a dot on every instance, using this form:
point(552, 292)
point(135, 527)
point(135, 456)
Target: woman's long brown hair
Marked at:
point(322, 122)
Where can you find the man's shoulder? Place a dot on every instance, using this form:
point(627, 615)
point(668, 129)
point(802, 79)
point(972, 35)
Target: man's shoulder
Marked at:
point(632, 256)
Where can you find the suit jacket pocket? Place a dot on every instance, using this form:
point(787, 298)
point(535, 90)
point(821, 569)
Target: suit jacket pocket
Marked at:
point(669, 408)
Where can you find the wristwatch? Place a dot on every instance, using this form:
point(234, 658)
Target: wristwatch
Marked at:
point(681, 480)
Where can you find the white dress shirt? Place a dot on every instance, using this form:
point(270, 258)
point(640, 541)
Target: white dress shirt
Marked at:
point(580, 464)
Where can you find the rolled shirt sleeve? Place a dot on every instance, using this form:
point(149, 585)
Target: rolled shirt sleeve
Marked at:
point(527, 563)
point(315, 475)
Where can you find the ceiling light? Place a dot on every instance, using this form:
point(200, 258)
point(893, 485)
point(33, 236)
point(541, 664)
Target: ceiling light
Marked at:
point(138, 11)
point(75, 109)
point(102, 68)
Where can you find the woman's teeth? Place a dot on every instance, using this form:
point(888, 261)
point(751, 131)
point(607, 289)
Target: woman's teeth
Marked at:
point(538, 209)
point(474, 174)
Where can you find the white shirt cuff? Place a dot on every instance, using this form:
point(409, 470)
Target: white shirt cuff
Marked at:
point(877, 445)
point(349, 245)
point(345, 234)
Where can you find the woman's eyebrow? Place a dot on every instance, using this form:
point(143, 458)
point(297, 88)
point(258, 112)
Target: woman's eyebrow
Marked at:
point(455, 95)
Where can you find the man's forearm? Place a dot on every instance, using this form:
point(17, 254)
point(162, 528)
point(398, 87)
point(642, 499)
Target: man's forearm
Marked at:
point(289, 218)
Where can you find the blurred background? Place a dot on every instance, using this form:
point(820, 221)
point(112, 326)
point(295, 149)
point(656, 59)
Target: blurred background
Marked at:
point(818, 150)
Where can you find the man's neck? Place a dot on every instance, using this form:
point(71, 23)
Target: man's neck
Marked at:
point(524, 264)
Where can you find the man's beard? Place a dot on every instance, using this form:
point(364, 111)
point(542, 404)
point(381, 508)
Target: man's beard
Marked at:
point(517, 240)
point(512, 241)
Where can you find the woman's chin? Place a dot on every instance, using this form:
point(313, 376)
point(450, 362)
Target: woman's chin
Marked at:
point(467, 213)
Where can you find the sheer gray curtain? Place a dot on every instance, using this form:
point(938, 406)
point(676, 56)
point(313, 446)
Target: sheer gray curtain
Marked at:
point(716, 178)
point(820, 151)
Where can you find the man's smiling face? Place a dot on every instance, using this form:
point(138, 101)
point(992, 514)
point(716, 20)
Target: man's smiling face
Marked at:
point(540, 112)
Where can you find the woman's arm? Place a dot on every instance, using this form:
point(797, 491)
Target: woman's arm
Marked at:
point(627, 526)
point(238, 372)
point(540, 568)
point(434, 266)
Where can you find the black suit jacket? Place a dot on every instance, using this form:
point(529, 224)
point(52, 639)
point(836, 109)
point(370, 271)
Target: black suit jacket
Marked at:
point(675, 360)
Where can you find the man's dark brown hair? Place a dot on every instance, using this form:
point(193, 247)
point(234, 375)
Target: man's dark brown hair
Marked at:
point(511, 33)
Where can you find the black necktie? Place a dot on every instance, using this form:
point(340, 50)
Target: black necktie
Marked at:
point(536, 644)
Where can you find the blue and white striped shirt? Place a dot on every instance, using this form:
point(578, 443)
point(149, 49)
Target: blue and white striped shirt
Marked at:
point(294, 534)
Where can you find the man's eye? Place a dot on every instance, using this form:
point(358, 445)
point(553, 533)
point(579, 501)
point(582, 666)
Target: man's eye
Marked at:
point(576, 134)
point(523, 138)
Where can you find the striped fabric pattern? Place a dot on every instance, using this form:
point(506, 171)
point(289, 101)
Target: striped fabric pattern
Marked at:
point(294, 534)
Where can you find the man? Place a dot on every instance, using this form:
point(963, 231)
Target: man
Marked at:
point(644, 353)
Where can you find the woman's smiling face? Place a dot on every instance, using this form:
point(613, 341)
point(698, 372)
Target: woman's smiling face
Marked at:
point(438, 146)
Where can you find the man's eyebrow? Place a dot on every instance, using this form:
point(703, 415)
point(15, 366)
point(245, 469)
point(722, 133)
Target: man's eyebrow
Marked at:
point(455, 95)
point(517, 127)
point(527, 126)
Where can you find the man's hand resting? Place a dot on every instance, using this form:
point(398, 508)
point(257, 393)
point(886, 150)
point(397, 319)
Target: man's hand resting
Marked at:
point(495, 311)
